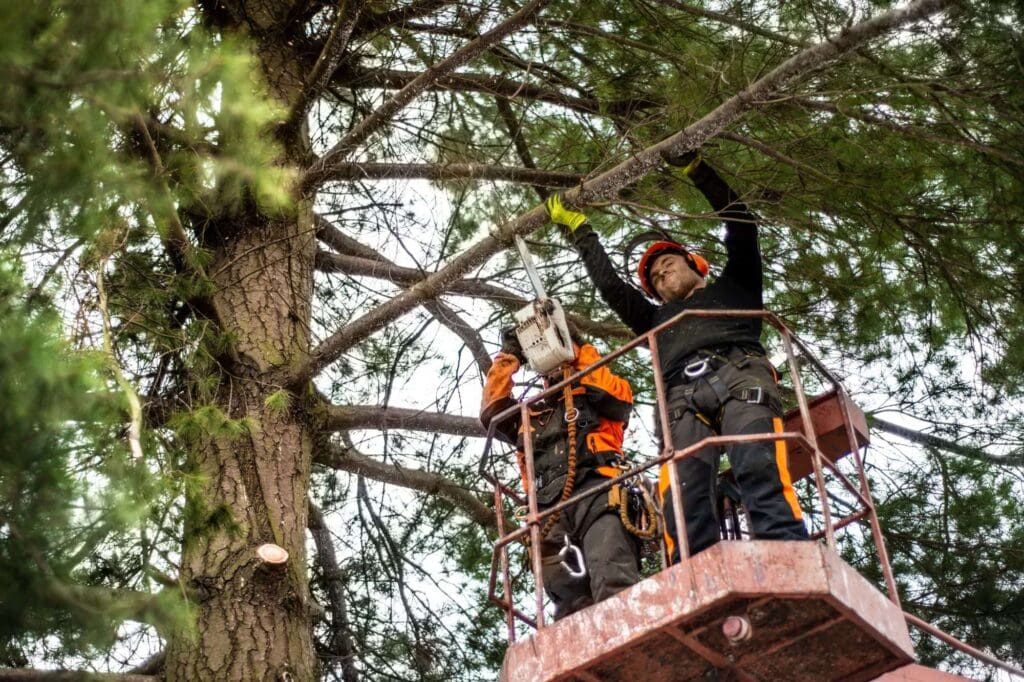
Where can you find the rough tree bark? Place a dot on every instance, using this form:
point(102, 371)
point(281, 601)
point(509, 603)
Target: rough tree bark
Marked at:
point(253, 620)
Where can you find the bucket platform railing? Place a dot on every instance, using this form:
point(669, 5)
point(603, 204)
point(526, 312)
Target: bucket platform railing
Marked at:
point(821, 447)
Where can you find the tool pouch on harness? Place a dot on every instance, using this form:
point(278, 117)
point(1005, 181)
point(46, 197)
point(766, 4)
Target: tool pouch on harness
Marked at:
point(639, 516)
point(551, 445)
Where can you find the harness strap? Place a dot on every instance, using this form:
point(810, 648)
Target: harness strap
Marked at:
point(748, 394)
point(571, 414)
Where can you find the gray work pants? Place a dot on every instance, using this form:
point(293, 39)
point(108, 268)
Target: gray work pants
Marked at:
point(611, 553)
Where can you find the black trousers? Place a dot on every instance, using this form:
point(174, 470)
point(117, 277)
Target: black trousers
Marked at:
point(697, 411)
point(610, 552)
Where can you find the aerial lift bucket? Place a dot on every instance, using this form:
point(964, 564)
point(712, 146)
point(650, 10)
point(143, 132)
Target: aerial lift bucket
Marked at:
point(752, 610)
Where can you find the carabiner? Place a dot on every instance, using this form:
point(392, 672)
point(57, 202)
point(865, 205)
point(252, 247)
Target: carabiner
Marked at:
point(697, 369)
point(569, 547)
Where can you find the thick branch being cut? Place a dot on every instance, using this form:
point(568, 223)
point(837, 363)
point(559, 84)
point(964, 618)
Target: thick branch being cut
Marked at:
point(611, 181)
point(321, 170)
point(347, 459)
point(346, 417)
point(455, 171)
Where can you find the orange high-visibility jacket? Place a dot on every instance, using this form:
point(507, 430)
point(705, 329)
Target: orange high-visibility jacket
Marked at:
point(607, 397)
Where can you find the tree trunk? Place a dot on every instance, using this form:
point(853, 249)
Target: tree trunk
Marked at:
point(252, 620)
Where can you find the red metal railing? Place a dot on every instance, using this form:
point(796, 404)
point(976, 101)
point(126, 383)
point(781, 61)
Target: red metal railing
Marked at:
point(534, 518)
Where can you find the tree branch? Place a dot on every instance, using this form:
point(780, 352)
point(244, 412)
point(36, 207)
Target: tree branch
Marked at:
point(858, 114)
point(774, 154)
point(1014, 459)
point(341, 644)
point(327, 62)
point(515, 131)
point(737, 23)
point(348, 417)
point(611, 181)
point(28, 675)
point(152, 665)
point(401, 15)
point(451, 319)
point(407, 277)
point(455, 171)
point(330, 234)
point(320, 170)
point(347, 459)
point(492, 84)
point(173, 236)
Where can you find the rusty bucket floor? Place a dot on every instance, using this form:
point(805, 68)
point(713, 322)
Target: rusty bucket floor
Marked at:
point(812, 617)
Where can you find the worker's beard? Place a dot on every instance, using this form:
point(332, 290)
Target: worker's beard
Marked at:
point(681, 288)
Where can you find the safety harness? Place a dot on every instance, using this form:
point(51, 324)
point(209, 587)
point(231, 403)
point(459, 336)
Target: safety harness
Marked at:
point(707, 364)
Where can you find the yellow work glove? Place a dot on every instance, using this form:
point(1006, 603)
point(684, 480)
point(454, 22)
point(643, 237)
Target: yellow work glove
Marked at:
point(688, 161)
point(560, 215)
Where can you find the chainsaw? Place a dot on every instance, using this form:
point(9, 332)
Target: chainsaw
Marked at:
point(540, 326)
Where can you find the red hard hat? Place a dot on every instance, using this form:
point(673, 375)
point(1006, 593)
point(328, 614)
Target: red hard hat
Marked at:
point(699, 265)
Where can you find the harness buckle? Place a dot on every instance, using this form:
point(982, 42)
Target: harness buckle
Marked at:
point(697, 368)
point(563, 553)
point(758, 392)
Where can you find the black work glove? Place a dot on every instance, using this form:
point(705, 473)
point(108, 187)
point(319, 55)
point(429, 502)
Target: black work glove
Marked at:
point(510, 344)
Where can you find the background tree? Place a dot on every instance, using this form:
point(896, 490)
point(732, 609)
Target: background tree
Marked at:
point(280, 226)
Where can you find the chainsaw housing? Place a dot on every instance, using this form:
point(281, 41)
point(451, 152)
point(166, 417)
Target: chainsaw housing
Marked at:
point(544, 335)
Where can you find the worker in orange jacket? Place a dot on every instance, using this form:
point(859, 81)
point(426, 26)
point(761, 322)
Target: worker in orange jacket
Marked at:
point(603, 402)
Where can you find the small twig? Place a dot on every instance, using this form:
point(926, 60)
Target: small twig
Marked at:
point(134, 405)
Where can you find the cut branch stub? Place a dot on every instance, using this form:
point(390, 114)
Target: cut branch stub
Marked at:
point(272, 554)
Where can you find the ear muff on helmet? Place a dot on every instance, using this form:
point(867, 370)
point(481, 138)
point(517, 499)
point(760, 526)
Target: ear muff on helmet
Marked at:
point(697, 263)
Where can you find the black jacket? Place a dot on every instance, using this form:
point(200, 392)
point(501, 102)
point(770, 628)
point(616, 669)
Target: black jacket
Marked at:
point(738, 287)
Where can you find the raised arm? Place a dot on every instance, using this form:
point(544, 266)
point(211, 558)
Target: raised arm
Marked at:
point(744, 254)
point(628, 303)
